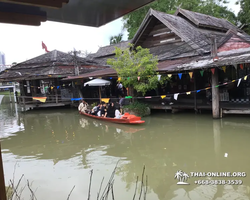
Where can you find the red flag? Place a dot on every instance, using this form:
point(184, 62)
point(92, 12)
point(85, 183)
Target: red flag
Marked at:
point(44, 47)
point(212, 70)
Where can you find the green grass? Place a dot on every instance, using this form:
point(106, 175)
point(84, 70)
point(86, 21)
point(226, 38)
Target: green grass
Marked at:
point(7, 92)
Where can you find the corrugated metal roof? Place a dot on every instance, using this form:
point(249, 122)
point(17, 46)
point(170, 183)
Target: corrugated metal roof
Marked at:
point(98, 73)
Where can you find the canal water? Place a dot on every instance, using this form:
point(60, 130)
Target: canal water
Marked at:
point(56, 149)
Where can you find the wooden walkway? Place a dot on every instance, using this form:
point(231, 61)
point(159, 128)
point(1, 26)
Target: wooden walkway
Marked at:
point(226, 107)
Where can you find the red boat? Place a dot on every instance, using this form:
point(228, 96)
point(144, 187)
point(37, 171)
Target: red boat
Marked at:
point(126, 119)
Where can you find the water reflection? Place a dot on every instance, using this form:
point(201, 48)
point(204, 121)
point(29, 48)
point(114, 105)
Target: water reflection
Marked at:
point(165, 144)
point(10, 121)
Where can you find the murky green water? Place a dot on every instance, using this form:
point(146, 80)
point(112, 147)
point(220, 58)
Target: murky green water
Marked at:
point(56, 149)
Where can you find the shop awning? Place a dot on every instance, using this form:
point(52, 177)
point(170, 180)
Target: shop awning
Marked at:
point(81, 12)
point(97, 82)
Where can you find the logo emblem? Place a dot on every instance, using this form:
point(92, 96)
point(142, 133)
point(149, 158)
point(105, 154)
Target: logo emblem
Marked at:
point(182, 177)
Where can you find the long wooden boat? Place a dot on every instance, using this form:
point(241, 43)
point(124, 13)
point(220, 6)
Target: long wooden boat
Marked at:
point(128, 119)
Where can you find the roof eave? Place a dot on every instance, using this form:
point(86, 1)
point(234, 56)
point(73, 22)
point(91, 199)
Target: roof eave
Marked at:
point(181, 11)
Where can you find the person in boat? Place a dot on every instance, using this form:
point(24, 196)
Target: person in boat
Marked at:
point(118, 114)
point(83, 107)
point(98, 112)
point(104, 110)
point(111, 110)
point(95, 110)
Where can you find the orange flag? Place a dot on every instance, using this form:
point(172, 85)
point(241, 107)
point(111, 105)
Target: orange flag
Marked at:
point(41, 99)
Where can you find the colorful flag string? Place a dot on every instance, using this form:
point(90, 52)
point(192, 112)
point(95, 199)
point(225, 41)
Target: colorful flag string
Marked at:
point(176, 95)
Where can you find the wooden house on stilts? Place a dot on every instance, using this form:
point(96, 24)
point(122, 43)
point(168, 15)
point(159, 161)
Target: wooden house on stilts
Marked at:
point(40, 78)
point(202, 54)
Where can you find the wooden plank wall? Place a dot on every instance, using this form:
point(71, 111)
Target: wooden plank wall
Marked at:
point(160, 35)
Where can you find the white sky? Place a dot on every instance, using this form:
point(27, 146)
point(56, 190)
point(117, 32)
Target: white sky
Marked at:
point(20, 43)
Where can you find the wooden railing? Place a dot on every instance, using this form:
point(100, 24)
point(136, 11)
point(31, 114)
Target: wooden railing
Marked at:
point(50, 99)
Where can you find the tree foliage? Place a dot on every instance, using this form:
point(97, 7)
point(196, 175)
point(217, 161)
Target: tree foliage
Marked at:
point(133, 63)
point(244, 14)
point(133, 20)
point(116, 39)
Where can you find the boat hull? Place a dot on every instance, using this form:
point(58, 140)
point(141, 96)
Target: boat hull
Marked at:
point(135, 120)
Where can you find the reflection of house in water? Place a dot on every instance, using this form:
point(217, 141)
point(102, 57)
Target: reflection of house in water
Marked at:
point(10, 122)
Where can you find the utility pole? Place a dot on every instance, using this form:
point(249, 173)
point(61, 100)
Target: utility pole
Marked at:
point(76, 62)
point(77, 72)
point(2, 182)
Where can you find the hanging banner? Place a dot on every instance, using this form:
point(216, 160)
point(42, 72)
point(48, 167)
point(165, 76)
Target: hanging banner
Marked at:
point(76, 99)
point(239, 82)
point(213, 70)
point(202, 71)
point(188, 93)
point(180, 75)
point(41, 99)
point(245, 78)
point(163, 96)
point(191, 74)
point(159, 77)
point(169, 75)
point(241, 66)
point(138, 78)
point(176, 96)
point(106, 100)
point(224, 69)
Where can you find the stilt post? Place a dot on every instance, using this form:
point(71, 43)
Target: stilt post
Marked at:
point(10, 95)
point(195, 99)
point(14, 92)
point(215, 95)
point(215, 81)
point(100, 94)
